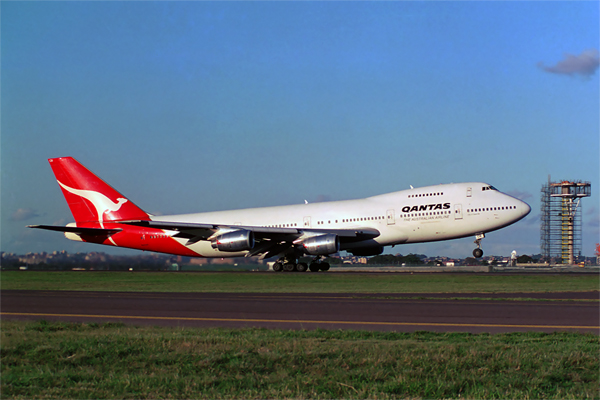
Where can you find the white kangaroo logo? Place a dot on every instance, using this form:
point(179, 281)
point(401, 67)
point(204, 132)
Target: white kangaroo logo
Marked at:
point(102, 203)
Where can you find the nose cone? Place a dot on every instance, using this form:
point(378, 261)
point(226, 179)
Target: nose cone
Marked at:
point(525, 209)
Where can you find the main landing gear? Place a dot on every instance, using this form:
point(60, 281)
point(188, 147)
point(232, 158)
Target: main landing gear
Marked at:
point(291, 265)
point(478, 253)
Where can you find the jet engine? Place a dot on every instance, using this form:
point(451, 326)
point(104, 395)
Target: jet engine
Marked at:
point(321, 245)
point(234, 241)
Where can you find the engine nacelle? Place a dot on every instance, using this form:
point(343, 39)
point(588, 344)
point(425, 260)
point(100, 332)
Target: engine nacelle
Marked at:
point(321, 245)
point(234, 241)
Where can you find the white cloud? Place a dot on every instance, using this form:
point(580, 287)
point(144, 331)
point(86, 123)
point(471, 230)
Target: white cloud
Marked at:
point(23, 214)
point(584, 64)
point(520, 195)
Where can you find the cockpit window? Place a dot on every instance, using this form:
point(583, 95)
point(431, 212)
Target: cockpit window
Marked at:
point(484, 188)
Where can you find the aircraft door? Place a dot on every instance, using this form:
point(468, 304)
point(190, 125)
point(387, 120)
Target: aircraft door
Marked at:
point(307, 222)
point(458, 211)
point(391, 220)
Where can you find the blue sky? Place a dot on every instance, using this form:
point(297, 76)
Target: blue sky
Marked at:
point(201, 106)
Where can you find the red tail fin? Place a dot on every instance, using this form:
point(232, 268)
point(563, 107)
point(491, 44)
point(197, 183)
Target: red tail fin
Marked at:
point(89, 197)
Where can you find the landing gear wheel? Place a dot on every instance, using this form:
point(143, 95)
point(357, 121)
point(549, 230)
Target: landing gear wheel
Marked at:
point(289, 267)
point(324, 266)
point(478, 253)
point(277, 266)
point(314, 267)
point(301, 267)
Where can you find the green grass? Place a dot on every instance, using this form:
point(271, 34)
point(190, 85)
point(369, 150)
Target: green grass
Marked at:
point(67, 360)
point(296, 283)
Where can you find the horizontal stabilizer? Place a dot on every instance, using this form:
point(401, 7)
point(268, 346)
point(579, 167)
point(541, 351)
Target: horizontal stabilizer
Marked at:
point(78, 230)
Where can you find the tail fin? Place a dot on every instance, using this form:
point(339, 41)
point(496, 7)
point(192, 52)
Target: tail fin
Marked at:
point(89, 197)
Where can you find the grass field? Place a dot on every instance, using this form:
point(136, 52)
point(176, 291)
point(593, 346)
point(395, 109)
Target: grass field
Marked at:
point(67, 360)
point(60, 360)
point(296, 283)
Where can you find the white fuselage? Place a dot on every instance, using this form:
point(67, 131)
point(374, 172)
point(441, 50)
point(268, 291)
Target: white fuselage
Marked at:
point(424, 214)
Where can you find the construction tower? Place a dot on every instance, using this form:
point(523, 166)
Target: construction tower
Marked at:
point(561, 219)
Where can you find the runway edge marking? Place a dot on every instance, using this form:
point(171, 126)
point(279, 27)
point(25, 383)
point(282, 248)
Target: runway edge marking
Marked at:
point(298, 321)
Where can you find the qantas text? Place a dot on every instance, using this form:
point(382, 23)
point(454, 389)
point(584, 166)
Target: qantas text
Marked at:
point(426, 207)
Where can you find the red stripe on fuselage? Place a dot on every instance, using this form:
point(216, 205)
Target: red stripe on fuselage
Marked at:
point(140, 238)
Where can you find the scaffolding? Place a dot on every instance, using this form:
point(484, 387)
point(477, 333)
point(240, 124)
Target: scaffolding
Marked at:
point(560, 234)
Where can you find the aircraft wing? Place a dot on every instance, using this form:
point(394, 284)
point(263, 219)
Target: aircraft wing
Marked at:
point(205, 231)
point(270, 241)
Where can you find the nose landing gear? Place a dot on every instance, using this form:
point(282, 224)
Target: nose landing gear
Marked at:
point(478, 253)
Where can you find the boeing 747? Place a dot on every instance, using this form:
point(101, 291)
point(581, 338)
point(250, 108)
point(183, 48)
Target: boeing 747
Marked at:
point(362, 227)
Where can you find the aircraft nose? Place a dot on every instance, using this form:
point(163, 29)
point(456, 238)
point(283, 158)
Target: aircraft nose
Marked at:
point(526, 209)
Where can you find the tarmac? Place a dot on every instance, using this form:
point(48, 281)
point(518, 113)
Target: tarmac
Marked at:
point(447, 312)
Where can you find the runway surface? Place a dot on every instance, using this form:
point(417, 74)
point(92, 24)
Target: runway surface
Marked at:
point(459, 312)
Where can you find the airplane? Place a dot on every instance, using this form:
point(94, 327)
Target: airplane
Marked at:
point(362, 227)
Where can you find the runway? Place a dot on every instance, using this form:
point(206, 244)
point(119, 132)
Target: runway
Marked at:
point(458, 312)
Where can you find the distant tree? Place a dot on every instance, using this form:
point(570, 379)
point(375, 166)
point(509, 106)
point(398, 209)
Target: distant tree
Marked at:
point(386, 259)
point(536, 258)
point(11, 264)
point(524, 259)
point(413, 259)
point(470, 261)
